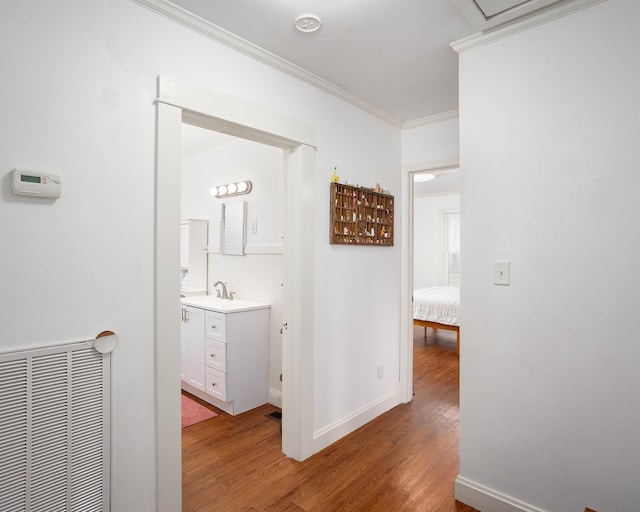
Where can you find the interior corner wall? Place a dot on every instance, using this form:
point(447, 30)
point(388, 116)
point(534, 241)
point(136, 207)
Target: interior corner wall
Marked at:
point(77, 97)
point(550, 409)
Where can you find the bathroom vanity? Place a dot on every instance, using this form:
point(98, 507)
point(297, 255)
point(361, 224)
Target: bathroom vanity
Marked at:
point(225, 352)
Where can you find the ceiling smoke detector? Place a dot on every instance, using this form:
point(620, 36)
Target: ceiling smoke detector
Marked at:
point(308, 23)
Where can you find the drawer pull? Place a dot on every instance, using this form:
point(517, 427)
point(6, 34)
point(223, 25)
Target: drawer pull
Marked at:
point(213, 326)
point(213, 384)
point(212, 355)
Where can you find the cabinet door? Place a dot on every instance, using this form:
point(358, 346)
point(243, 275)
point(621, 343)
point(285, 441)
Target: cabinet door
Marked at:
point(183, 344)
point(184, 244)
point(194, 347)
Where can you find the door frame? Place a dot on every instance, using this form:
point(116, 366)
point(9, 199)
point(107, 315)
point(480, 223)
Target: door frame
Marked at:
point(176, 103)
point(406, 268)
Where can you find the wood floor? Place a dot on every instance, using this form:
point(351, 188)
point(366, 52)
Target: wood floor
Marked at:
point(405, 460)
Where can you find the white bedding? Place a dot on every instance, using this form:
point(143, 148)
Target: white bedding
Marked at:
point(437, 304)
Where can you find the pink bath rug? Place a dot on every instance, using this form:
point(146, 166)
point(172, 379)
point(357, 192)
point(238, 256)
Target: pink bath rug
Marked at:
point(193, 412)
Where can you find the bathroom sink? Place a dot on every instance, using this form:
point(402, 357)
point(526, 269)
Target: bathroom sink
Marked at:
point(213, 303)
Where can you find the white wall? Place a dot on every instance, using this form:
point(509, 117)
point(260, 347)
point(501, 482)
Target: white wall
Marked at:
point(229, 162)
point(252, 276)
point(428, 237)
point(431, 143)
point(78, 89)
point(550, 409)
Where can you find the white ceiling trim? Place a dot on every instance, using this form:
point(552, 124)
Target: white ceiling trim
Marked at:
point(433, 166)
point(208, 29)
point(541, 17)
point(436, 118)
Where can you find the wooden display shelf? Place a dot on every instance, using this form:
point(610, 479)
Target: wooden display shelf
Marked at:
point(360, 216)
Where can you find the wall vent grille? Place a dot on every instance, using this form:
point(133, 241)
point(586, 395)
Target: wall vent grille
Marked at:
point(54, 429)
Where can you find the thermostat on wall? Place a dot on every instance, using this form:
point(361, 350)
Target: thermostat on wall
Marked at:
point(36, 184)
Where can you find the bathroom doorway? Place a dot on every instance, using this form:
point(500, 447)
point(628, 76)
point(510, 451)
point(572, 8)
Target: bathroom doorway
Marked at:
point(211, 159)
point(177, 103)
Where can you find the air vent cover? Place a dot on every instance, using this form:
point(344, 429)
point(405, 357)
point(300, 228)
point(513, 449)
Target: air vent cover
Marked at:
point(54, 430)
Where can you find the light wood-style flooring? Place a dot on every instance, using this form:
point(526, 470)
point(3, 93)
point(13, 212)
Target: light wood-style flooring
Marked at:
point(405, 460)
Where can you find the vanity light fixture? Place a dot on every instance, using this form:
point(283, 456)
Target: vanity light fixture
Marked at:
point(232, 189)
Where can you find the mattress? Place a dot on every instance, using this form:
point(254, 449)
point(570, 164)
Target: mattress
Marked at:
point(437, 304)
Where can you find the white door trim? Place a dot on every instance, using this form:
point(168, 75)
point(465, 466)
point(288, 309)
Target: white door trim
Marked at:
point(406, 270)
point(178, 102)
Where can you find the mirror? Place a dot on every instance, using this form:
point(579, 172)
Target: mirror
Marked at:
point(232, 228)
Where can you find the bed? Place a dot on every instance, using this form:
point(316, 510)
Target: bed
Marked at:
point(438, 307)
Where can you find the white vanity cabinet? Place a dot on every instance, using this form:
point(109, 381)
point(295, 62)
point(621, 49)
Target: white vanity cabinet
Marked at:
point(192, 356)
point(234, 343)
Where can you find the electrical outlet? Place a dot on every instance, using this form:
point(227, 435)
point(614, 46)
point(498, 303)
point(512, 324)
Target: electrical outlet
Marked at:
point(380, 371)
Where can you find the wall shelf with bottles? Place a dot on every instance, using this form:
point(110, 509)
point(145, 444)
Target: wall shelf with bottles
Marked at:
point(360, 216)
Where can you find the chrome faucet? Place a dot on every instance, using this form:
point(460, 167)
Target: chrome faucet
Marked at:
point(224, 295)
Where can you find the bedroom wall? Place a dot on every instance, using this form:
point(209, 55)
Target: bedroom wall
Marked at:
point(78, 89)
point(256, 275)
point(550, 410)
point(428, 237)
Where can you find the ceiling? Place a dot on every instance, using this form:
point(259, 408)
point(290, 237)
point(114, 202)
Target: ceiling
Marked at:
point(391, 57)
point(445, 182)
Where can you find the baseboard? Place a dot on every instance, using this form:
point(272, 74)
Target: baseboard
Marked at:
point(275, 397)
point(489, 500)
point(339, 429)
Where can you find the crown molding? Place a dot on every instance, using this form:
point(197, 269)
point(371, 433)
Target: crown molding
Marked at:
point(436, 118)
point(541, 17)
point(432, 166)
point(222, 36)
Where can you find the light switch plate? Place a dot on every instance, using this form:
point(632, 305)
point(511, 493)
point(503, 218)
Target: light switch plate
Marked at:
point(502, 273)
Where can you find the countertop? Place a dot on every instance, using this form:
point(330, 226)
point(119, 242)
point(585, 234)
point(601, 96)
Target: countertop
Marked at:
point(213, 303)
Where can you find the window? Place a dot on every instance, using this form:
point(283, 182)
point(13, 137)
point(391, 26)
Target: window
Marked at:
point(452, 248)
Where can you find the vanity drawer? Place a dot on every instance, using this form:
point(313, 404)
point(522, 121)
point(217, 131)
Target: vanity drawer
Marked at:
point(216, 384)
point(216, 355)
point(216, 326)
